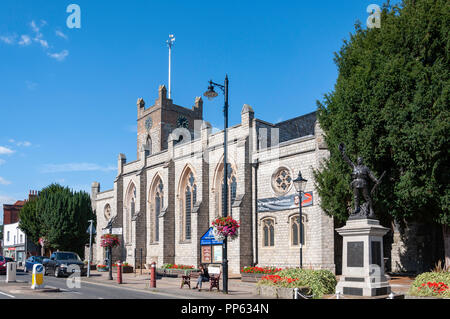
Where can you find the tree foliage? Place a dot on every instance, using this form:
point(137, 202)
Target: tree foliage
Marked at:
point(59, 215)
point(390, 105)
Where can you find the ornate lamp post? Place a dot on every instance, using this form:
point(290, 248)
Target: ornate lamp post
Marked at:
point(300, 184)
point(109, 226)
point(211, 94)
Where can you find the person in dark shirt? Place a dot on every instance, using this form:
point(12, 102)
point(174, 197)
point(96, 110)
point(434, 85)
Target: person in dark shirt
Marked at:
point(204, 277)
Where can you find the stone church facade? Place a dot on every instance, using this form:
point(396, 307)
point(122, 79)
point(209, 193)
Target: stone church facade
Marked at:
point(164, 202)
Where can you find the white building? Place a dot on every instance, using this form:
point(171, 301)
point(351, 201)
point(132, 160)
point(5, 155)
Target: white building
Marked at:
point(14, 242)
point(164, 202)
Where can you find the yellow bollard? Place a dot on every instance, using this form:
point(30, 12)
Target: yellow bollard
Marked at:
point(37, 279)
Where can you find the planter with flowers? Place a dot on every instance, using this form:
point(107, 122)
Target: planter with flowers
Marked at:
point(255, 274)
point(126, 268)
point(102, 268)
point(225, 227)
point(174, 270)
point(109, 241)
point(93, 266)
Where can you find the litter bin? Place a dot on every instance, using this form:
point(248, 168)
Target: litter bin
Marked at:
point(11, 268)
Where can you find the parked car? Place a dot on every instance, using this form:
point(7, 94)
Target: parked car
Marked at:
point(30, 262)
point(2, 265)
point(63, 263)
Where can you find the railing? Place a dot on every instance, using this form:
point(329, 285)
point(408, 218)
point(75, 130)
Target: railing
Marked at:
point(337, 295)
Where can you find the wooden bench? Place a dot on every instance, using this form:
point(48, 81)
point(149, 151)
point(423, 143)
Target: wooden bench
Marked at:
point(186, 279)
point(214, 277)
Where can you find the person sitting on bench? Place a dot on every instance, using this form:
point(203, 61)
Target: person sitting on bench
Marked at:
point(204, 277)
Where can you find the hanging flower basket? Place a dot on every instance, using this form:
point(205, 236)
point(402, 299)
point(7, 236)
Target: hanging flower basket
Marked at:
point(108, 240)
point(225, 227)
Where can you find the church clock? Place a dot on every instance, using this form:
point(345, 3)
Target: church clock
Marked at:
point(182, 122)
point(148, 123)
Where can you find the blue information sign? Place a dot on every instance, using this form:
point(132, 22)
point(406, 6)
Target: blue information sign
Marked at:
point(208, 239)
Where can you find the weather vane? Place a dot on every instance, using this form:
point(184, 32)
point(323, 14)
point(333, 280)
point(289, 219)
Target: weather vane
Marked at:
point(170, 43)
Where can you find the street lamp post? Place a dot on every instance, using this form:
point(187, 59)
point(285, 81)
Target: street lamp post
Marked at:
point(210, 94)
point(110, 277)
point(109, 227)
point(300, 184)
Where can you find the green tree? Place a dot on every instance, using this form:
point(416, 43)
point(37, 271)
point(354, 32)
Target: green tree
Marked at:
point(390, 104)
point(29, 221)
point(60, 216)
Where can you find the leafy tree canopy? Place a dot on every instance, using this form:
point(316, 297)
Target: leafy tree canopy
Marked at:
point(390, 105)
point(59, 215)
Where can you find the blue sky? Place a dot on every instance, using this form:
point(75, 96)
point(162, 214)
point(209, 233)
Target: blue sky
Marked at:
point(68, 96)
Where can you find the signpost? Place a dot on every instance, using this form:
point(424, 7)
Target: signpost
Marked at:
point(211, 248)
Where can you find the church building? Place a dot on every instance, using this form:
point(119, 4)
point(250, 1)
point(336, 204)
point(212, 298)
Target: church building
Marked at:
point(162, 204)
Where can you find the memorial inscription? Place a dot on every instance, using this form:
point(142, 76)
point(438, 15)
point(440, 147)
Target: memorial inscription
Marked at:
point(355, 254)
point(376, 252)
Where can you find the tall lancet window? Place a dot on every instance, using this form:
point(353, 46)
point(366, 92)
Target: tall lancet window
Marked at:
point(158, 206)
point(130, 212)
point(148, 143)
point(231, 196)
point(189, 200)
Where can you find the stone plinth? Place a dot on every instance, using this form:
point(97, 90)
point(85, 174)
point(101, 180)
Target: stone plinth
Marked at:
point(362, 260)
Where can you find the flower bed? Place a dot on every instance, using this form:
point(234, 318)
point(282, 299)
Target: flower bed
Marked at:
point(319, 282)
point(431, 284)
point(102, 268)
point(175, 266)
point(126, 268)
point(255, 274)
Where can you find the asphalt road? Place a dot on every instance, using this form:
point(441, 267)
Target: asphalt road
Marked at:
point(22, 290)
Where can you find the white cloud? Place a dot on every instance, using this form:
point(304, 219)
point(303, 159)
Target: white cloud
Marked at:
point(24, 40)
point(59, 56)
point(4, 181)
point(37, 37)
point(75, 167)
point(31, 85)
point(5, 150)
point(43, 43)
point(25, 144)
point(61, 34)
point(8, 39)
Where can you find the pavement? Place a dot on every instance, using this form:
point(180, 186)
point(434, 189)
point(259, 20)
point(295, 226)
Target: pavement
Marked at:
point(137, 286)
point(236, 288)
point(171, 286)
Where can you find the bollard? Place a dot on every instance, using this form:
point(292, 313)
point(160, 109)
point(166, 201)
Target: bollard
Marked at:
point(295, 293)
point(391, 296)
point(37, 278)
point(338, 295)
point(119, 272)
point(153, 275)
point(11, 272)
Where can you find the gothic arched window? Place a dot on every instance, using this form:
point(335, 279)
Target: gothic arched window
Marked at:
point(189, 200)
point(295, 231)
point(232, 189)
point(148, 142)
point(268, 232)
point(130, 211)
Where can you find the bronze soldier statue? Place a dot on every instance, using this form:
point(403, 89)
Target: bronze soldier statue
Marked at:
point(360, 184)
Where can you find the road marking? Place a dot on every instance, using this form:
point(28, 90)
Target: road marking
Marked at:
point(142, 291)
point(8, 295)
